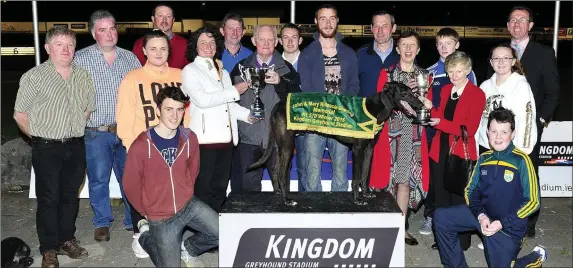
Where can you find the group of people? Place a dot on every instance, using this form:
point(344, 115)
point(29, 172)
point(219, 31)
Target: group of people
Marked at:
point(171, 118)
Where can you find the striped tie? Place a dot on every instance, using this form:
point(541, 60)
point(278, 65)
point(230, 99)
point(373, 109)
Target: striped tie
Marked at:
point(518, 50)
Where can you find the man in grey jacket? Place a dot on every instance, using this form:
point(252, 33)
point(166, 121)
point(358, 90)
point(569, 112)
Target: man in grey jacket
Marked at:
point(283, 80)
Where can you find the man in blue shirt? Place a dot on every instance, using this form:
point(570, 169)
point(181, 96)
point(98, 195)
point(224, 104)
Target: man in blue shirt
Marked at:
point(501, 193)
point(233, 29)
point(378, 54)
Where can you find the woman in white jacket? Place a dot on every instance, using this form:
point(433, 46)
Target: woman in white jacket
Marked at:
point(213, 113)
point(508, 88)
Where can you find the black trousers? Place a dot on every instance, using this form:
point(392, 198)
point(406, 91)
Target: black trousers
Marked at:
point(438, 197)
point(249, 154)
point(213, 180)
point(60, 171)
point(236, 176)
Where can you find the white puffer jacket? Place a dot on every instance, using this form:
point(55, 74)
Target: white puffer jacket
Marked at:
point(213, 109)
point(514, 94)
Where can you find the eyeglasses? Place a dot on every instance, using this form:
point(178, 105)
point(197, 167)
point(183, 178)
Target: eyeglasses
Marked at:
point(504, 59)
point(520, 20)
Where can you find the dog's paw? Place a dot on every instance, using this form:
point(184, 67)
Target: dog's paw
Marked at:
point(290, 202)
point(360, 202)
point(278, 192)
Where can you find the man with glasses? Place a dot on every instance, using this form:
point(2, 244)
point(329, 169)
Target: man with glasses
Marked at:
point(540, 67)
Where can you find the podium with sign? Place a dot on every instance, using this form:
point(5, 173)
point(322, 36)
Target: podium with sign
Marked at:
point(322, 230)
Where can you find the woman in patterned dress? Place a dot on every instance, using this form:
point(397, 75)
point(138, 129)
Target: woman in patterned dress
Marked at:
point(406, 172)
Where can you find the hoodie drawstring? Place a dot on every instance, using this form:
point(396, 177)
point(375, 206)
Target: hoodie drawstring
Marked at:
point(148, 149)
point(187, 150)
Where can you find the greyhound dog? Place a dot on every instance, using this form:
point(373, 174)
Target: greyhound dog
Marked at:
point(281, 140)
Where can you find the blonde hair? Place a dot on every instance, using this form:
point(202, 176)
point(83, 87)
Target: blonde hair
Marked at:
point(458, 57)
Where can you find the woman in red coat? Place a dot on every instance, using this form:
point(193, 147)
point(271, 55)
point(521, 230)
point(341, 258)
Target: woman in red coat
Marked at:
point(464, 103)
point(400, 157)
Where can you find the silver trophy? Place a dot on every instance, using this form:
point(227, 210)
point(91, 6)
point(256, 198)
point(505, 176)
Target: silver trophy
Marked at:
point(423, 82)
point(256, 79)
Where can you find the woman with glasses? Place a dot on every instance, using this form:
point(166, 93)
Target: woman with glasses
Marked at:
point(462, 103)
point(508, 88)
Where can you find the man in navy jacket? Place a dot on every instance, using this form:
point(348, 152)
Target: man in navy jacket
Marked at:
point(378, 54)
point(327, 65)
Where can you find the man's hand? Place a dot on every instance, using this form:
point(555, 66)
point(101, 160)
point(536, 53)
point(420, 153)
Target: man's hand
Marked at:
point(493, 228)
point(272, 78)
point(242, 87)
point(254, 120)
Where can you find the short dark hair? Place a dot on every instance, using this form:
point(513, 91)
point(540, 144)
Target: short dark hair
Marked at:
point(162, 5)
point(171, 92)
point(448, 32)
point(502, 115)
point(522, 8)
point(407, 34)
point(233, 16)
point(192, 53)
point(326, 6)
point(384, 13)
point(290, 25)
point(99, 15)
point(157, 34)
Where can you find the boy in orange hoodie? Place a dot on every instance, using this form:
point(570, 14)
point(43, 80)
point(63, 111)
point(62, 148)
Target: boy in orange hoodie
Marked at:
point(160, 172)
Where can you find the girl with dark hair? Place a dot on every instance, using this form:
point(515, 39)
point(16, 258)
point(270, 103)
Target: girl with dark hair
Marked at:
point(213, 112)
point(509, 88)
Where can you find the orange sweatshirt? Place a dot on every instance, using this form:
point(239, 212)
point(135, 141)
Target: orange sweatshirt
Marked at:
point(136, 108)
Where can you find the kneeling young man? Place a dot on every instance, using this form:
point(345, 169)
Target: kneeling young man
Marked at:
point(502, 191)
point(160, 172)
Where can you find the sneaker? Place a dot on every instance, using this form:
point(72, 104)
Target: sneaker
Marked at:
point(143, 225)
point(426, 228)
point(480, 245)
point(541, 251)
point(191, 261)
point(137, 249)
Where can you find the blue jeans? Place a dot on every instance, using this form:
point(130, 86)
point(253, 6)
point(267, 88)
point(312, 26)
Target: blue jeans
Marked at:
point(301, 164)
point(163, 240)
point(104, 151)
point(313, 152)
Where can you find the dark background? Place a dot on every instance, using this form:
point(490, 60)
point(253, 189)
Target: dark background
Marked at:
point(409, 13)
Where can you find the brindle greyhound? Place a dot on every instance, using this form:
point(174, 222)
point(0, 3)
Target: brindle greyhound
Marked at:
point(281, 140)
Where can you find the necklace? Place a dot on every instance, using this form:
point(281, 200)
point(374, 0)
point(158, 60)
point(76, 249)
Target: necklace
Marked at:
point(455, 96)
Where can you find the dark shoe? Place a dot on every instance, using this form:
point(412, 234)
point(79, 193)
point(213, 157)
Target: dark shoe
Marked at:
point(434, 246)
point(50, 259)
point(530, 232)
point(129, 229)
point(73, 250)
point(411, 241)
point(101, 234)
